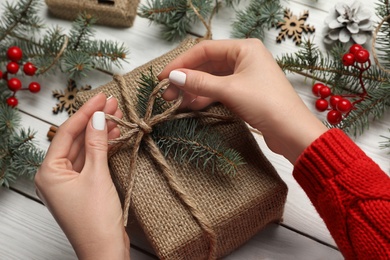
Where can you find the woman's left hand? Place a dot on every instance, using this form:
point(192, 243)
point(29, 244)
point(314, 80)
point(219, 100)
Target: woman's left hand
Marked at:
point(74, 183)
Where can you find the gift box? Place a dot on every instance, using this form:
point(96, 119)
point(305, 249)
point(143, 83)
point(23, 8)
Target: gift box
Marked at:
point(192, 212)
point(116, 13)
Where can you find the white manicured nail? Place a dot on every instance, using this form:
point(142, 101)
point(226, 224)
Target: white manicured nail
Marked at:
point(177, 77)
point(99, 120)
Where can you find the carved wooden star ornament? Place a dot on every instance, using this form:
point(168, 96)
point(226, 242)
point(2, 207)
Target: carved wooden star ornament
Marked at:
point(67, 98)
point(293, 27)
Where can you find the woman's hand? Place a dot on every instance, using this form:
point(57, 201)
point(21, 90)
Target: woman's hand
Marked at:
point(244, 76)
point(75, 184)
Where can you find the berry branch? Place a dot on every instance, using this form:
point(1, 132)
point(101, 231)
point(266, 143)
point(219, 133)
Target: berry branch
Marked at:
point(339, 106)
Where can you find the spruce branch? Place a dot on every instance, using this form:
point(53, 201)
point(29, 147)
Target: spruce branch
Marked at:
point(18, 154)
point(20, 19)
point(189, 141)
point(178, 17)
point(258, 17)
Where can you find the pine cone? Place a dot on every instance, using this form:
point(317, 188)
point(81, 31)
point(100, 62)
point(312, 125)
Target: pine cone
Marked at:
point(348, 22)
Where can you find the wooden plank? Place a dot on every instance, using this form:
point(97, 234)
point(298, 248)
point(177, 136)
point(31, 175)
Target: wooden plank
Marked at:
point(273, 242)
point(28, 231)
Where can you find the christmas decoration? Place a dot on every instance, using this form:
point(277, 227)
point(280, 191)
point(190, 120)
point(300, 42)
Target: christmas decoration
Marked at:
point(150, 180)
point(67, 98)
point(15, 54)
point(358, 58)
point(293, 27)
point(118, 13)
point(75, 53)
point(19, 156)
point(348, 22)
point(367, 84)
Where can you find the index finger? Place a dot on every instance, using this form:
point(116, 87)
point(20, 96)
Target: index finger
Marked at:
point(213, 56)
point(73, 127)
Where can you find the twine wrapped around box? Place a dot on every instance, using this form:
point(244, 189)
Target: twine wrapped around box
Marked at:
point(116, 13)
point(193, 214)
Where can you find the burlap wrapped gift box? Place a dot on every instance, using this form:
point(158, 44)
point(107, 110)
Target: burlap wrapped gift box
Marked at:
point(237, 206)
point(117, 13)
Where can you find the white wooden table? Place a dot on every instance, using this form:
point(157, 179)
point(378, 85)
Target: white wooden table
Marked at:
point(27, 229)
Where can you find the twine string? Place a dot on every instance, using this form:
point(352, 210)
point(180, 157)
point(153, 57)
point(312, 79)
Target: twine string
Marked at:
point(138, 130)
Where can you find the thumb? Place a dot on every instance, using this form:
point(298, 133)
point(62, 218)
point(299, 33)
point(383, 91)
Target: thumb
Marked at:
point(198, 83)
point(96, 142)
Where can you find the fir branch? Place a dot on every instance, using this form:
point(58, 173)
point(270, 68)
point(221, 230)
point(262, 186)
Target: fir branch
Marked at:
point(81, 31)
point(256, 18)
point(310, 62)
point(20, 19)
point(188, 141)
point(147, 84)
point(176, 17)
point(18, 153)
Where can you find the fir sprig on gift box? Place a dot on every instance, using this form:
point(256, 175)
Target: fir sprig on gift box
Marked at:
point(186, 140)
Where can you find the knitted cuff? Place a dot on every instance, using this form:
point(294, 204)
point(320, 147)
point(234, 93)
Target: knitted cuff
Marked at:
point(326, 157)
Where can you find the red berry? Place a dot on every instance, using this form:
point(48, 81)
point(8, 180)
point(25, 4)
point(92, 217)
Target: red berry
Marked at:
point(321, 104)
point(344, 105)
point(325, 92)
point(14, 84)
point(362, 56)
point(12, 67)
point(34, 87)
point(334, 100)
point(334, 117)
point(355, 48)
point(14, 53)
point(348, 59)
point(29, 69)
point(12, 101)
point(1, 74)
point(316, 89)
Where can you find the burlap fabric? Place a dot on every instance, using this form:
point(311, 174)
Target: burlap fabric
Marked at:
point(237, 207)
point(118, 13)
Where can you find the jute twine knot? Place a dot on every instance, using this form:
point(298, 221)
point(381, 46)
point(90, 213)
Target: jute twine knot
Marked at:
point(138, 130)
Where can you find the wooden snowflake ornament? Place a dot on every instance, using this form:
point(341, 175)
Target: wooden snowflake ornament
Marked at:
point(67, 99)
point(293, 27)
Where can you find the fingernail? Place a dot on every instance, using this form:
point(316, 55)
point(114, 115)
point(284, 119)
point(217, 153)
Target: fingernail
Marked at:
point(177, 77)
point(99, 120)
point(111, 96)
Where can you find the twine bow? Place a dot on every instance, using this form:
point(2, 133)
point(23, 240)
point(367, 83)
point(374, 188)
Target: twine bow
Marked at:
point(138, 130)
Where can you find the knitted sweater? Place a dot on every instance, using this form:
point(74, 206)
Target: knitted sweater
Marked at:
point(350, 192)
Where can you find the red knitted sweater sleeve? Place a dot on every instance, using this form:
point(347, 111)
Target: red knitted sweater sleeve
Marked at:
point(350, 192)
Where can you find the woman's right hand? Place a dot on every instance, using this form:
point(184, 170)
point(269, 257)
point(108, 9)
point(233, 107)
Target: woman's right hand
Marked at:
point(243, 75)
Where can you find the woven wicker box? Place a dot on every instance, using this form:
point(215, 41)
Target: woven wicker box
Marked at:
point(236, 207)
point(117, 13)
